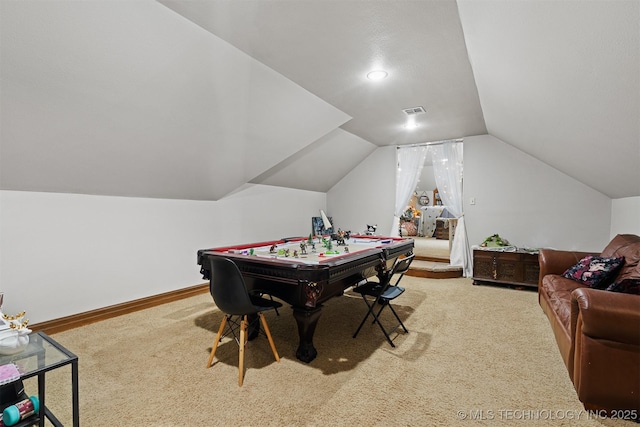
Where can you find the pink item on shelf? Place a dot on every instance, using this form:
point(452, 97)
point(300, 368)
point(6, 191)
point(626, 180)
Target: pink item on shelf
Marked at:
point(9, 373)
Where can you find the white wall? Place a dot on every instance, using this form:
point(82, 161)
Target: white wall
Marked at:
point(367, 194)
point(528, 202)
point(63, 254)
point(625, 216)
point(524, 200)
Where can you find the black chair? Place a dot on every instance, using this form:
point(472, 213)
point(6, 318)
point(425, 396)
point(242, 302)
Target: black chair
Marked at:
point(241, 309)
point(382, 293)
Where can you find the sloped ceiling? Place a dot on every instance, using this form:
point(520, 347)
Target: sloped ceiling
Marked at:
point(317, 161)
point(560, 80)
point(328, 47)
point(128, 99)
point(195, 99)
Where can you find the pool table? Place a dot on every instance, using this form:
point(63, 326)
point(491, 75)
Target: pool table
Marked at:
point(307, 275)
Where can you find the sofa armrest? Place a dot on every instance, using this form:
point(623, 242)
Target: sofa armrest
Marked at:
point(553, 261)
point(606, 315)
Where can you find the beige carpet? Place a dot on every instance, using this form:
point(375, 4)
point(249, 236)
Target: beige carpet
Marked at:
point(475, 355)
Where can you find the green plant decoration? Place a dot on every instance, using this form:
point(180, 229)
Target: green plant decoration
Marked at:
point(494, 241)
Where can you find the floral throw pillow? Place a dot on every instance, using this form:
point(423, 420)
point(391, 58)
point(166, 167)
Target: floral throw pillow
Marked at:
point(627, 286)
point(594, 271)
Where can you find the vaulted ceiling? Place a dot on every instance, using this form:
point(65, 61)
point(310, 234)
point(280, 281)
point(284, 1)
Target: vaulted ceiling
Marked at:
point(193, 99)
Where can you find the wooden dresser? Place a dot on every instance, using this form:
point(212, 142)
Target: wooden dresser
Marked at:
point(516, 268)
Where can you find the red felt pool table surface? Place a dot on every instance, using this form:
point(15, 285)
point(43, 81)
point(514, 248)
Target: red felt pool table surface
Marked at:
point(290, 250)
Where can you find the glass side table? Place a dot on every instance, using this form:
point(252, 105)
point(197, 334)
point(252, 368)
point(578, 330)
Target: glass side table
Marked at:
point(49, 355)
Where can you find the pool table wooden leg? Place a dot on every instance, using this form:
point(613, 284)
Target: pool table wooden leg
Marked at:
point(307, 319)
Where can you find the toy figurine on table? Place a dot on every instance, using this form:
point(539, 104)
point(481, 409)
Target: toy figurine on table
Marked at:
point(341, 236)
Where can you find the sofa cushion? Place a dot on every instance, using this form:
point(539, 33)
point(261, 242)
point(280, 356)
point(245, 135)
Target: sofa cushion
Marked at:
point(595, 272)
point(558, 291)
point(627, 286)
point(627, 246)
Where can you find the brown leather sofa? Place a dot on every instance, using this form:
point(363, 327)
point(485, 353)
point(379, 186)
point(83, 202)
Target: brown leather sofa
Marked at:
point(597, 331)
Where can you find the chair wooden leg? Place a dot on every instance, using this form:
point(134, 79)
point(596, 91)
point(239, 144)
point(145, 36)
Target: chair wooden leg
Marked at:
point(268, 333)
point(217, 340)
point(243, 333)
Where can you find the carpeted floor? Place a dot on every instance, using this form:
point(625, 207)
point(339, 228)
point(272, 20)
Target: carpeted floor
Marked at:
point(475, 355)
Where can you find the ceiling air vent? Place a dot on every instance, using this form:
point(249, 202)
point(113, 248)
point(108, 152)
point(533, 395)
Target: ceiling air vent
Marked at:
point(414, 110)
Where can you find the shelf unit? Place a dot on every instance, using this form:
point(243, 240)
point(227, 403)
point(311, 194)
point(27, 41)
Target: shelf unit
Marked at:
point(48, 355)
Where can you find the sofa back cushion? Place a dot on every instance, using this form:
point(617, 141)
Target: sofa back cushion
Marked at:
point(594, 271)
point(627, 286)
point(627, 246)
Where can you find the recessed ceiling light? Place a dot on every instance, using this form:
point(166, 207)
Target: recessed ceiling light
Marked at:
point(411, 125)
point(377, 75)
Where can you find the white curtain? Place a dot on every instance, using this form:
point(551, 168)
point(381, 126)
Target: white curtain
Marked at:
point(447, 168)
point(409, 163)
